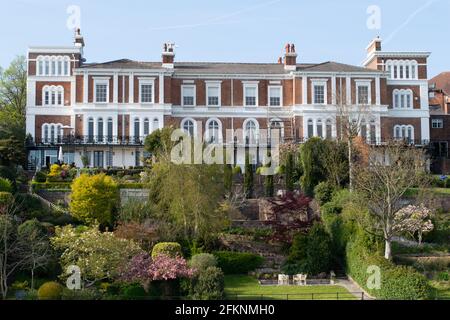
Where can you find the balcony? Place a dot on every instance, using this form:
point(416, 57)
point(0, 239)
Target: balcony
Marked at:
point(72, 140)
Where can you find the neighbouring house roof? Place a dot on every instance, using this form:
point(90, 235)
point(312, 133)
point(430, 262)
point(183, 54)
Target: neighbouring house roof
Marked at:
point(228, 67)
point(442, 82)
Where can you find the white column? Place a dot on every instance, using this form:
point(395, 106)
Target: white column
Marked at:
point(85, 87)
point(333, 130)
point(31, 124)
point(31, 93)
point(161, 88)
point(115, 88)
point(72, 92)
point(95, 129)
point(315, 127)
point(131, 88)
point(348, 88)
point(141, 127)
point(304, 90)
point(115, 132)
point(377, 91)
point(425, 128)
point(333, 89)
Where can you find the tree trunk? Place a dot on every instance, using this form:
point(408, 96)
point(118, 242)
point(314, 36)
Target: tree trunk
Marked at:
point(388, 249)
point(350, 164)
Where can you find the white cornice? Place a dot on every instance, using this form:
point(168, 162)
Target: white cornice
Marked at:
point(393, 54)
point(50, 49)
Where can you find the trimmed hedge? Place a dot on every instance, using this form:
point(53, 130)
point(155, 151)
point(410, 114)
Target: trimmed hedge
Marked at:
point(131, 185)
point(50, 291)
point(397, 282)
point(237, 262)
point(63, 186)
point(171, 249)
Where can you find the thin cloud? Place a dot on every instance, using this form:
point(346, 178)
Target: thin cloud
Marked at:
point(409, 19)
point(218, 20)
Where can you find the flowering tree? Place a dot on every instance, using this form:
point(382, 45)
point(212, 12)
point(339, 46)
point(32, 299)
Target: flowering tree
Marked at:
point(413, 220)
point(98, 255)
point(143, 269)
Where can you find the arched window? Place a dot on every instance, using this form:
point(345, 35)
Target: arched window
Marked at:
point(100, 132)
point(277, 125)
point(251, 132)
point(53, 96)
point(188, 127)
point(155, 124)
point(91, 130)
point(213, 132)
point(110, 130)
point(403, 99)
point(146, 127)
point(402, 69)
point(52, 133)
point(363, 129)
point(405, 132)
point(310, 128)
point(53, 66)
point(319, 128)
point(137, 129)
point(329, 129)
point(373, 131)
point(45, 134)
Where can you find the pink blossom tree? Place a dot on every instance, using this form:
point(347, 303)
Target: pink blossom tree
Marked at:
point(413, 220)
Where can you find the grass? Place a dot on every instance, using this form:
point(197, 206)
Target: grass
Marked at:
point(413, 192)
point(248, 288)
point(441, 289)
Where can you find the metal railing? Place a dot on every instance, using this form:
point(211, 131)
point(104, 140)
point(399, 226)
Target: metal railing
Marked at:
point(301, 296)
point(88, 140)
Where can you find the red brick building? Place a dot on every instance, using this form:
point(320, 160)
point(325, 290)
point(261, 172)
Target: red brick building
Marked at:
point(104, 110)
point(439, 93)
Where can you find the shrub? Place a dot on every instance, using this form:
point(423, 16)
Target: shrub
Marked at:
point(397, 282)
point(6, 198)
point(311, 253)
point(40, 176)
point(171, 249)
point(133, 291)
point(237, 170)
point(94, 199)
point(55, 173)
point(80, 295)
point(203, 261)
point(323, 193)
point(50, 291)
point(209, 285)
point(5, 185)
point(237, 262)
point(248, 178)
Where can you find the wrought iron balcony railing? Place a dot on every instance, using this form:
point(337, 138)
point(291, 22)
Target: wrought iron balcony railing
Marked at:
point(88, 140)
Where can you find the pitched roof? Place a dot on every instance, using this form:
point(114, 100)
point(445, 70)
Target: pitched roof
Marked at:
point(442, 82)
point(228, 67)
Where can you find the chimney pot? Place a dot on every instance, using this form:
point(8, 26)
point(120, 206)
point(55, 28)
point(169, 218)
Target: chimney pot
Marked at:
point(290, 58)
point(168, 55)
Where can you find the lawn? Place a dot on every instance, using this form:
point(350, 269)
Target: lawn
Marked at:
point(441, 289)
point(435, 191)
point(248, 288)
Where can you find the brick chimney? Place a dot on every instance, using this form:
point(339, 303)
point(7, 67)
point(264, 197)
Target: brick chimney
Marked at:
point(78, 39)
point(168, 55)
point(290, 57)
point(374, 45)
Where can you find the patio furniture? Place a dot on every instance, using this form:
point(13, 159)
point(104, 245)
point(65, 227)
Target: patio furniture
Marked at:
point(298, 279)
point(303, 279)
point(283, 280)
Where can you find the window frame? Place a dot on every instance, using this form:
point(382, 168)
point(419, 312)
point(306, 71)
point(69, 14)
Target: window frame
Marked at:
point(101, 81)
point(254, 86)
point(144, 82)
point(439, 122)
point(194, 96)
point(317, 83)
point(360, 84)
point(214, 84)
point(269, 96)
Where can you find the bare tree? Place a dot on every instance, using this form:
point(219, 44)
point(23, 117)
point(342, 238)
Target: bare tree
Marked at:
point(393, 169)
point(10, 259)
point(349, 119)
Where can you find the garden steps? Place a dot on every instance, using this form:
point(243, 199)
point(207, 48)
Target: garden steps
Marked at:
point(273, 258)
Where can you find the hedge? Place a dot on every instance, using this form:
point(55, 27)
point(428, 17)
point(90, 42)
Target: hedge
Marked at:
point(397, 282)
point(64, 186)
point(171, 249)
point(237, 262)
point(131, 185)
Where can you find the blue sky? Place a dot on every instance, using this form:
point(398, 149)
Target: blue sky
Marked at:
point(220, 30)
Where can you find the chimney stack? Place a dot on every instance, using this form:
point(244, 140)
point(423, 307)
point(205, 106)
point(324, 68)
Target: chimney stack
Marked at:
point(78, 40)
point(168, 55)
point(374, 45)
point(290, 57)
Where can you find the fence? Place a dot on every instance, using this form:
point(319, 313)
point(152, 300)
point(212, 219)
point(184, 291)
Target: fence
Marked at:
point(301, 296)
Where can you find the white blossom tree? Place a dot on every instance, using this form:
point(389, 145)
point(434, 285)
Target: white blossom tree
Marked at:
point(415, 220)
